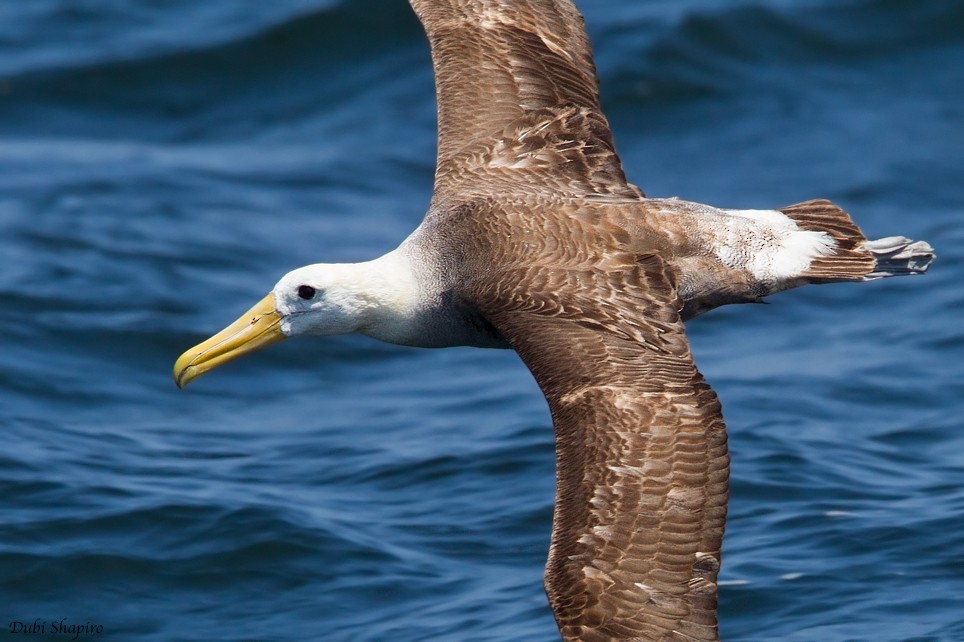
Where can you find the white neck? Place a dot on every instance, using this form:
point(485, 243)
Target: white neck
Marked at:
point(391, 289)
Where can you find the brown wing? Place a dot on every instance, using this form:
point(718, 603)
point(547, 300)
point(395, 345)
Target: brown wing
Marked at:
point(642, 464)
point(518, 101)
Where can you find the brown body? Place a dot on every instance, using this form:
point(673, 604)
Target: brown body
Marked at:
point(592, 295)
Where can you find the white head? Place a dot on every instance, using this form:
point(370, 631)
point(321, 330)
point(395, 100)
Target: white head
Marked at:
point(331, 298)
point(377, 298)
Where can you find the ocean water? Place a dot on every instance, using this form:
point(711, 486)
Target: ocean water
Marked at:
point(162, 164)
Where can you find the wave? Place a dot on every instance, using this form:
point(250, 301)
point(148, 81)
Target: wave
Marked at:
point(285, 70)
point(717, 51)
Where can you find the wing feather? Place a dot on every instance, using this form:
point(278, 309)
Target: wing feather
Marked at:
point(642, 464)
point(518, 101)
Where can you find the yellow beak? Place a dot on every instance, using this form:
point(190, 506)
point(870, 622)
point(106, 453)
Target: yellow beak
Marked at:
point(258, 327)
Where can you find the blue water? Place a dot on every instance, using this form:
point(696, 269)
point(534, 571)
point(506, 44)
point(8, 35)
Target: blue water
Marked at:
point(162, 164)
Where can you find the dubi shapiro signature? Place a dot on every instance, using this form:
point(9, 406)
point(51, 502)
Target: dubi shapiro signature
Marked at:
point(62, 628)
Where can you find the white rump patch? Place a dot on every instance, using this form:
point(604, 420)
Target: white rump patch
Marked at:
point(770, 245)
point(798, 250)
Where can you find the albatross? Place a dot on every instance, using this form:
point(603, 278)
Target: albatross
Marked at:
point(534, 240)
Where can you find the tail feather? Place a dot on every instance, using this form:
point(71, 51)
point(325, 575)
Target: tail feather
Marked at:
point(897, 256)
point(849, 260)
point(855, 258)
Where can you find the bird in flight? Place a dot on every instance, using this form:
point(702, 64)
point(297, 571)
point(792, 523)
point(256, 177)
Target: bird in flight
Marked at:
point(534, 240)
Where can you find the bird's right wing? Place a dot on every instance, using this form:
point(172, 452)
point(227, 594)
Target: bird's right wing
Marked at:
point(642, 465)
point(518, 102)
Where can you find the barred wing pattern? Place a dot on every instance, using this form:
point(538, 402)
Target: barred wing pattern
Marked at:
point(518, 103)
point(642, 465)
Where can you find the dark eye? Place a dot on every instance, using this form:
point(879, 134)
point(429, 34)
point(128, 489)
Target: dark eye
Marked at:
point(306, 291)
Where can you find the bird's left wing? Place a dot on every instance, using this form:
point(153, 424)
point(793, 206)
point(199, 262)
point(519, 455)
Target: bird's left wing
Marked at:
point(642, 464)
